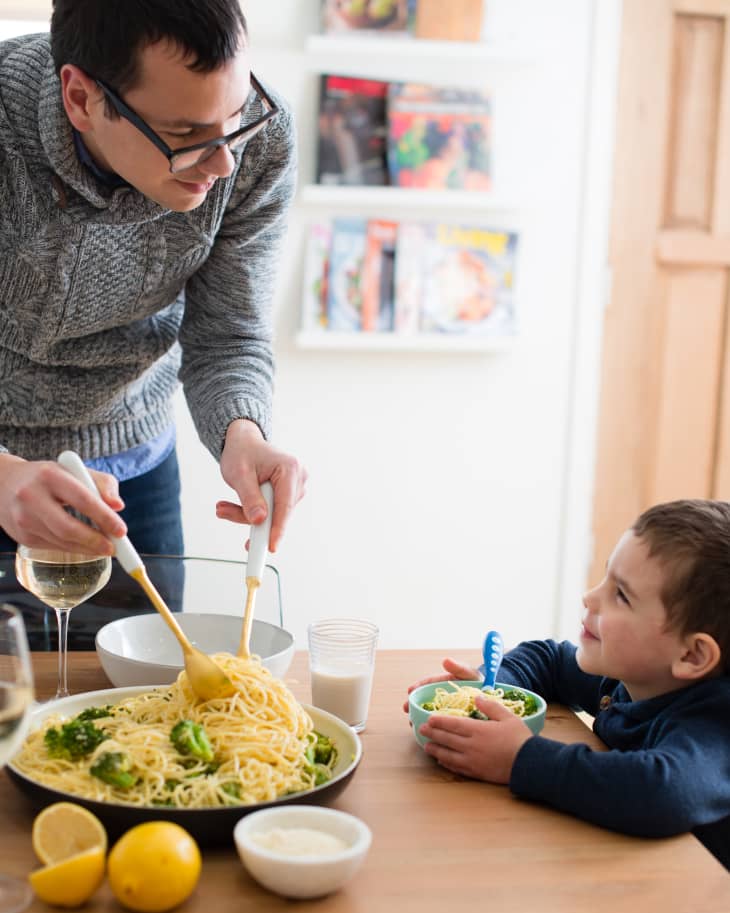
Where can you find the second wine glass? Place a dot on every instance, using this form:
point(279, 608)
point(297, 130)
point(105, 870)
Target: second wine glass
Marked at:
point(61, 580)
point(16, 698)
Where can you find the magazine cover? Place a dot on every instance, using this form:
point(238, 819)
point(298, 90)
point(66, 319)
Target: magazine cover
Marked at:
point(439, 139)
point(386, 16)
point(468, 280)
point(353, 132)
point(377, 285)
point(316, 275)
point(410, 242)
point(344, 287)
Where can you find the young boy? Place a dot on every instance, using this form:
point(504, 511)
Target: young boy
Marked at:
point(651, 666)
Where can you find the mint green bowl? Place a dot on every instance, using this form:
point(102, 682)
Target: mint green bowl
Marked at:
point(425, 693)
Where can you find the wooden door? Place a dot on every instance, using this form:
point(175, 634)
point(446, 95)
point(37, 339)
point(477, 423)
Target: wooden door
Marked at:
point(664, 422)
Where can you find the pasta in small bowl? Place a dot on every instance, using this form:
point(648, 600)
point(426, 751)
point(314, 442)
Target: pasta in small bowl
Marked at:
point(457, 699)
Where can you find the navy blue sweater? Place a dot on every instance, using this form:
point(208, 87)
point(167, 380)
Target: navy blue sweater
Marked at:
point(668, 767)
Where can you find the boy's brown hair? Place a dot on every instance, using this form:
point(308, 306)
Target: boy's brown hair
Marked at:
point(691, 538)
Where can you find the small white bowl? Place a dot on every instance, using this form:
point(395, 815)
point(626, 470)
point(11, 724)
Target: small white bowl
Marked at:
point(142, 650)
point(302, 876)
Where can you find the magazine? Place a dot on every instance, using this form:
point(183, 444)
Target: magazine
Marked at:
point(344, 286)
point(316, 274)
point(378, 276)
point(455, 279)
point(383, 16)
point(439, 138)
point(467, 280)
point(411, 240)
point(353, 132)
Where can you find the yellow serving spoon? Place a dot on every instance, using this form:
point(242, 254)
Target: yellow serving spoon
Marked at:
point(258, 548)
point(207, 679)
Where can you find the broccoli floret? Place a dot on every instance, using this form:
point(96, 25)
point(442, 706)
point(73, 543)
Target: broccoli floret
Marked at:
point(428, 705)
point(318, 756)
point(189, 738)
point(322, 751)
point(74, 740)
point(94, 713)
point(320, 772)
point(233, 791)
point(113, 767)
point(530, 701)
point(206, 771)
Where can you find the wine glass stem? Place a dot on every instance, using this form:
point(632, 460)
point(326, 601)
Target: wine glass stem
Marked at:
point(62, 618)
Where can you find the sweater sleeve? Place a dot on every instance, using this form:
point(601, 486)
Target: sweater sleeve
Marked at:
point(550, 669)
point(680, 782)
point(226, 334)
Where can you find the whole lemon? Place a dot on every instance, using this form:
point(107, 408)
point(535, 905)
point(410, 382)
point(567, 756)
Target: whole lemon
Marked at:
point(154, 866)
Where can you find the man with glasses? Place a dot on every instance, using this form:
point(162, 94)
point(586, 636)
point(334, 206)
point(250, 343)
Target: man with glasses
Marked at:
point(145, 175)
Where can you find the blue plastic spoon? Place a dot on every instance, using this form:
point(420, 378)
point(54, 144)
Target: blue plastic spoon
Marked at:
point(492, 652)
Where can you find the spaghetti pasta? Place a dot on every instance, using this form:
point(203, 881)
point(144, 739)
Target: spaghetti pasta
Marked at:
point(460, 700)
point(263, 746)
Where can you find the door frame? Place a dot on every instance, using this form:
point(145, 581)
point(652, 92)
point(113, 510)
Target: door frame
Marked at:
point(592, 291)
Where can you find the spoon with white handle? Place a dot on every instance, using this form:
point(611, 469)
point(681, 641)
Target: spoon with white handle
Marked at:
point(258, 549)
point(207, 679)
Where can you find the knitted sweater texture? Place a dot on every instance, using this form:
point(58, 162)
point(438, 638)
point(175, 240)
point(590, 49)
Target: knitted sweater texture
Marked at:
point(106, 298)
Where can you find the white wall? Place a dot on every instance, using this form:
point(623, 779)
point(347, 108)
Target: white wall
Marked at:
point(450, 493)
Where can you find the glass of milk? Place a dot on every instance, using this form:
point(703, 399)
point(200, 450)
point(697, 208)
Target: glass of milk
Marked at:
point(341, 663)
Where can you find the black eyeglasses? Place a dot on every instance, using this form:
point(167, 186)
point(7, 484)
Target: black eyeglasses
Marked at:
point(188, 156)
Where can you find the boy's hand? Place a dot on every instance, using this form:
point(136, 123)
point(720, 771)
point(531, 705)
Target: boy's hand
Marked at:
point(480, 749)
point(454, 672)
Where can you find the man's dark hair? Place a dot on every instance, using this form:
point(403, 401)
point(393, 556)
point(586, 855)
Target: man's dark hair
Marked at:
point(104, 37)
point(691, 539)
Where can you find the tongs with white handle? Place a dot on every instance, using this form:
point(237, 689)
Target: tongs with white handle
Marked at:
point(207, 679)
point(258, 549)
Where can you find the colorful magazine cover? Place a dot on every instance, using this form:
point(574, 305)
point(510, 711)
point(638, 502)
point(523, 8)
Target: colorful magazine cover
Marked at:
point(344, 288)
point(353, 132)
point(316, 276)
point(439, 138)
point(378, 277)
point(467, 280)
point(384, 16)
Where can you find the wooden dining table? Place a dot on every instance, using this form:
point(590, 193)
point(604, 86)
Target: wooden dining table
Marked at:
point(440, 842)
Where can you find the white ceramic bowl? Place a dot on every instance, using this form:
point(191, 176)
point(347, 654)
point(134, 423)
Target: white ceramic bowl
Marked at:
point(302, 876)
point(142, 650)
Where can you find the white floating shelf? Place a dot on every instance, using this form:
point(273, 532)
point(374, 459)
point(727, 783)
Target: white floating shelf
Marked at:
point(379, 47)
point(404, 198)
point(397, 342)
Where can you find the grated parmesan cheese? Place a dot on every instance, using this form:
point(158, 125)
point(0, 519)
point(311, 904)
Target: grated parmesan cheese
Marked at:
point(299, 841)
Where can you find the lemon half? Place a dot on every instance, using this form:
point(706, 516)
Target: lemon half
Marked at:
point(65, 829)
point(71, 882)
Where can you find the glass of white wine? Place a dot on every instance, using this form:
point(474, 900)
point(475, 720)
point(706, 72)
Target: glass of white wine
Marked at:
point(61, 580)
point(16, 698)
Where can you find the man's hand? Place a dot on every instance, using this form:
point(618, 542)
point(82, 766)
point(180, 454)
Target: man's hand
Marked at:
point(247, 461)
point(480, 749)
point(453, 672)
point(33, 495)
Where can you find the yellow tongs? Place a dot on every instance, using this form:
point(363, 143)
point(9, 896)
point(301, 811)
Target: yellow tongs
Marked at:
point(258, 549)
point(207, 679)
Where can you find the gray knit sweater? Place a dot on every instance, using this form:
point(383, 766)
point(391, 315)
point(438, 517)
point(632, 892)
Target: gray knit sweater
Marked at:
point(106, 297)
